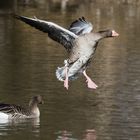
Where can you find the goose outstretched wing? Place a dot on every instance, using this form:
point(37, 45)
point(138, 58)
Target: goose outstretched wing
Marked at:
point(81, 26)
point(55, 32)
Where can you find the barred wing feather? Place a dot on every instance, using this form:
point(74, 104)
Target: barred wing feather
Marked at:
point(81, 26)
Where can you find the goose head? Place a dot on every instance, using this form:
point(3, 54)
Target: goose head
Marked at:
point(108, 33)
point(33, 105)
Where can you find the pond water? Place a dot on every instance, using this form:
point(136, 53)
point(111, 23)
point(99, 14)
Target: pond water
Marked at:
point(28, 60)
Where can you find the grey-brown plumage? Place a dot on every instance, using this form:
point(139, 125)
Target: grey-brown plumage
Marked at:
point(12, 111)
point(79, 42)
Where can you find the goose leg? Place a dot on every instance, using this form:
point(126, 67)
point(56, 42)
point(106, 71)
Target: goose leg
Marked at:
point(90, 83)
point(66, 85)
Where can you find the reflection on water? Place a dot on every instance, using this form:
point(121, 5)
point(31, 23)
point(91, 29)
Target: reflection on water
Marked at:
point(6, 122)
point(66, 135)
point(7, 127)
point(90, 135)
point(28, 61)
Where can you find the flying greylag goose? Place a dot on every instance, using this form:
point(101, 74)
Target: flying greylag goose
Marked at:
point(11, 111)
point(79, 42)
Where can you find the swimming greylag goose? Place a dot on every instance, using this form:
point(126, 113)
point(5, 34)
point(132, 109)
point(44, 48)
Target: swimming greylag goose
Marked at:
point(79, 42)
point(11, 111)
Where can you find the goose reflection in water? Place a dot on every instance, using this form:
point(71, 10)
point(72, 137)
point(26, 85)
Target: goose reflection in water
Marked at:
point(7, 125)
point(89, 134)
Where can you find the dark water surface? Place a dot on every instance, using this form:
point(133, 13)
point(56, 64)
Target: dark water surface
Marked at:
point(28, 60)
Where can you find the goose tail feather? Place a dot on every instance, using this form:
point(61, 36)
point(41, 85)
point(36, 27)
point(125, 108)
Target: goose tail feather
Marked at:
point(60, 73)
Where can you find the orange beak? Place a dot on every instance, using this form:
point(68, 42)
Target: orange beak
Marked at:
point(114, 33)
